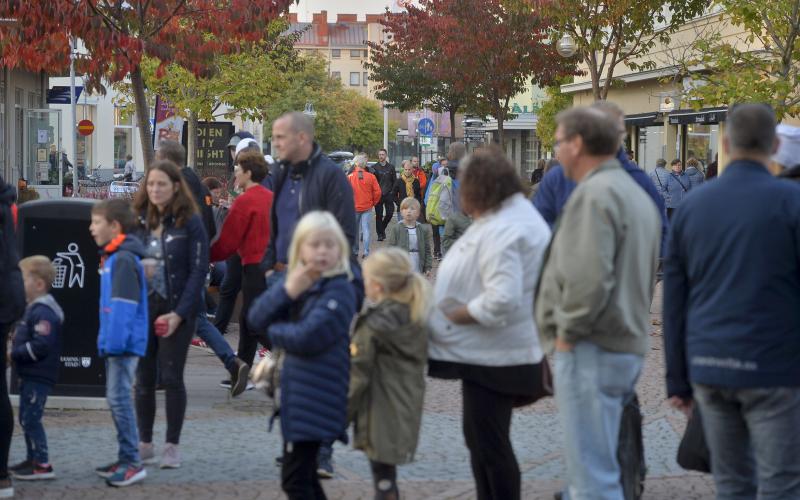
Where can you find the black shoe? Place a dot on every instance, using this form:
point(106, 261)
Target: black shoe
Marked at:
point(558, 495)
point(239, 377)
point(35, 472)
point(225, 384)
point(22, 465)
point(279, 461)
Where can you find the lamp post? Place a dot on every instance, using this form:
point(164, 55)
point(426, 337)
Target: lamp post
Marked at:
point(566, 46)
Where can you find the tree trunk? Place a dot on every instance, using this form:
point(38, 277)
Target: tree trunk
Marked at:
point(452, 112)
point(142, 116)
point(501, 133)
point(191, 140)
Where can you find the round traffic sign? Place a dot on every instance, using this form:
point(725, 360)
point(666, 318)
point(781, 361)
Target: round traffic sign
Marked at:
point(426, 126)
point(85, 127)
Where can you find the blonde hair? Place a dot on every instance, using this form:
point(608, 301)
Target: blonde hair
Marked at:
point(317, 221)
point(40, 267)
point(410, 201)
point(391, 267)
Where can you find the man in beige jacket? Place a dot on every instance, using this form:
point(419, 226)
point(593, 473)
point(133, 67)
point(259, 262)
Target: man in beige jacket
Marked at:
point(593, 301)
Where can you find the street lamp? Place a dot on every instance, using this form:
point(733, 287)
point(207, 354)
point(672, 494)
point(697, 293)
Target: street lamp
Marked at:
point(566, 46)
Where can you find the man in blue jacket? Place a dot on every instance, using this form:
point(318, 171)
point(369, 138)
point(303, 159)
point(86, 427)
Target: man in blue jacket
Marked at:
point(555, 188)
point(732, 314)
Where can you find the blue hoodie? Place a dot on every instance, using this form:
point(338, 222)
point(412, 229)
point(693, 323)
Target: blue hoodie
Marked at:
point(36, 350)
point(123, 301)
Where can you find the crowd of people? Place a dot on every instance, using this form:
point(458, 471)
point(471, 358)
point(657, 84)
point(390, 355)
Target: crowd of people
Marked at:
point(348, 332)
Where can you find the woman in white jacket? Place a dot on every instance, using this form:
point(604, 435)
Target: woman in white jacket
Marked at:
point(483, 331)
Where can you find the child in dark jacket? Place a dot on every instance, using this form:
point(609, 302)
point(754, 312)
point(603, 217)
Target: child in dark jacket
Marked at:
point(35, 352)
point(122, 339)
point(308, 317)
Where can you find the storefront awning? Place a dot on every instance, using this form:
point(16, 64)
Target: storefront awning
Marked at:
point(688, 116)
point(643, 120)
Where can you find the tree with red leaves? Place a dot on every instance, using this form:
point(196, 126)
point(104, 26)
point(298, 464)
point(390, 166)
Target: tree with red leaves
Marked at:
point(116, 35)
point(479, 50)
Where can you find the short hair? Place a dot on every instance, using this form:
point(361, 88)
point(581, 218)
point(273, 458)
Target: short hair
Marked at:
point(384, 150)
point(661, 162)
point(600, 133)
point(251, 160)
point(403, 163)
point(172, 151)
point(456, 151)
point(612, 111)
point(751, 128)
point(299, 122)
point(410, 202)
point(39, 266)
point(316, 221)
point(675, 162)
point(128, 157)
point(360, 160)
point(116, 210)
point(487, 179)
point(692, 162)
point(212, 183)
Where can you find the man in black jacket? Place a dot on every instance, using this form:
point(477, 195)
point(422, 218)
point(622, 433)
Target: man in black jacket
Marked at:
point(387, 175)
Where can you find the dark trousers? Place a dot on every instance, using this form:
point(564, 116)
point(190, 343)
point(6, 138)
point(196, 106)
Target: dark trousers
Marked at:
point(487, 423)
point(164, 360)
point(437, 240)
point(384, 478)
point(228, 291)
point(6, 414)
point(253, 285)
point(384, 211)
point(299, 471)
point(32, 398)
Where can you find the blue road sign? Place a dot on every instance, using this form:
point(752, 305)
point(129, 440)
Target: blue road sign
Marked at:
point(426, 126)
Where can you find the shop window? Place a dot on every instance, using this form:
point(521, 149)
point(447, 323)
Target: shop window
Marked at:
point(123, 137)
point(651, 147)
point(701, 143)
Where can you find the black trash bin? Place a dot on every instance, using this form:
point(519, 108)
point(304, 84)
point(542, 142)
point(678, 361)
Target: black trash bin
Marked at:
point(59, 229)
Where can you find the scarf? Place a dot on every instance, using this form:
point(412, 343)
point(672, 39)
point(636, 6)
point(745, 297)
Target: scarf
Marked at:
point(409, 184)
point(110, 248)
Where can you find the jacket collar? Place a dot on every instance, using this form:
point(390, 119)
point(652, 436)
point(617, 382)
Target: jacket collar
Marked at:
point(607, 165)
point(299, 169)
point(750, 166)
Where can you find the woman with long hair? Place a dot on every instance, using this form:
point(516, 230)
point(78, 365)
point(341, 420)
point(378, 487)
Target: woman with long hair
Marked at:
point(176, 265)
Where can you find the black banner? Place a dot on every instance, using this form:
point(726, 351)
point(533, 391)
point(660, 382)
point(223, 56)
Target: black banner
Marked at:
point(213, 157)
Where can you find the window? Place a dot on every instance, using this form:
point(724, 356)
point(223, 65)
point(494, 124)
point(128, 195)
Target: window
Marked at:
point(355, 54)
point(123, 137)
point(366, 53)
point(364, 79)
point(701, 143)
point(355, 79)
point(336, 53)
point(336, 74)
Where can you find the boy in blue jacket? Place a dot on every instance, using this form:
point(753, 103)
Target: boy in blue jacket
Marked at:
point(122, 339)
point(35, 352)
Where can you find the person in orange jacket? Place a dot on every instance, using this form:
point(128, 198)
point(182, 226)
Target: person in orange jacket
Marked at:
point(367, 194)
point(423, 182)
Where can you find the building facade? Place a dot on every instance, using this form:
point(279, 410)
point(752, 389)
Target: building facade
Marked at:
point(21, 92)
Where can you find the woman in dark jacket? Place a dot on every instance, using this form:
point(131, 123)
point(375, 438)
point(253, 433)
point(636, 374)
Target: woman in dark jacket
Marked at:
point(406, 186)
point(175, 265)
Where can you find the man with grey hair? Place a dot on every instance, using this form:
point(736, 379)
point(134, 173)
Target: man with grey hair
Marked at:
point(660, 178)
point(366, 194)
point(593, 301)
point(732, 314)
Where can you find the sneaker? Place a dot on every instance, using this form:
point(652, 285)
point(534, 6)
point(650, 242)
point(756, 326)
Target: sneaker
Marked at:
point(200, 344)
point(35, 472)
point(279, 461)
point(263, 353)
point(147, 453)
point(125, 476)
point(225, 384)
point(171, 458)
point(25, 463)
point(239, 377)
point(324, 467)
point(106, 471)
point(6, 488)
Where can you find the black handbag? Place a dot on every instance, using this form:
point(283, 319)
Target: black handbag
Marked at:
point(693, 452)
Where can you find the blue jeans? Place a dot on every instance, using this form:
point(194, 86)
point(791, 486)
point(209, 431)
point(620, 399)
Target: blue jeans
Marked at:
point(363, 220)
point(120, 374)
point(753, 439)
point(32, 397)
point(211, 336)
point(591, 387)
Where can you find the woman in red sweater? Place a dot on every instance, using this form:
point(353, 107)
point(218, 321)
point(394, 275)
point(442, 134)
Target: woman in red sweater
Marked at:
point(246, 232)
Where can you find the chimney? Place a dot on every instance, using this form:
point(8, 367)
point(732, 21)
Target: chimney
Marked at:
point(346, 18)
point(293, 17)
point(320, 22)
point(374, 18)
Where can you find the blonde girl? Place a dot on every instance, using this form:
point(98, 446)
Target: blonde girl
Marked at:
point(308, 316)
point(413, 237)
point(389, 352)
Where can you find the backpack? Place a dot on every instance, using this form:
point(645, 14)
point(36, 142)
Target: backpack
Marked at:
point(440, 201)
point(12, 290)
point(630, 451)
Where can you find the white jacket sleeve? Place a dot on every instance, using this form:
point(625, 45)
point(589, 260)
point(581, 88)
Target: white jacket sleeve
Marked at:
point(500, 266)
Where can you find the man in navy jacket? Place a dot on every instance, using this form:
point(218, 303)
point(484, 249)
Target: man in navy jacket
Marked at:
point(732, 314)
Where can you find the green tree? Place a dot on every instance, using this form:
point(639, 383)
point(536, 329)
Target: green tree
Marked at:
point(546, 118)
point(763, 66)
point(366, 133)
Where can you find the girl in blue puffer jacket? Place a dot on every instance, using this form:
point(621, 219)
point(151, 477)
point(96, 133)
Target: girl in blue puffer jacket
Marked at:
point(308, 316)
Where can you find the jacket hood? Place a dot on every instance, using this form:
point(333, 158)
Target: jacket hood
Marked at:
point(8, 194)
point(134, 245)
point(50, 302)
point(394, 317)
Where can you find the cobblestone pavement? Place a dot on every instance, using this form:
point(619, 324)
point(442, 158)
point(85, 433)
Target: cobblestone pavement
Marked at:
point(229, 453)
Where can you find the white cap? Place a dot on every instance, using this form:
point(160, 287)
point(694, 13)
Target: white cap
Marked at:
point(788, 154)
point(269, 159)
point(245, 143)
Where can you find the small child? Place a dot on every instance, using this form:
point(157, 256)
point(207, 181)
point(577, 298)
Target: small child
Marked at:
point(308, 316)
point(36, 352)
point(412, 236)
point(122, 339)
point(389, 352)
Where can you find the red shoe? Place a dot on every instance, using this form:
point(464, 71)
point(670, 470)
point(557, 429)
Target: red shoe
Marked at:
point(199, 343)
point(263, 353)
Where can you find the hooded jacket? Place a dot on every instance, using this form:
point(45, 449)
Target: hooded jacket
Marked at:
point(12, 290)
point(366, 190)
point(36, 350)
point(387, 382)
point(123, 300)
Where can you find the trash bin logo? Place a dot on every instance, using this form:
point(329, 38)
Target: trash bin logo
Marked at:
point(69, 268)
point(86, 362)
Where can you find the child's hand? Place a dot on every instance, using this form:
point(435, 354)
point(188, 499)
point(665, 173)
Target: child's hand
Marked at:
point(300, 279)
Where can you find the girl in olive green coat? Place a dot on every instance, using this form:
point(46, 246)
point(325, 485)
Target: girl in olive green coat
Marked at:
point(389, 352)
point(413, 237)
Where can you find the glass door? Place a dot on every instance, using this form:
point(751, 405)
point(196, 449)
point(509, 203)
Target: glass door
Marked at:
point(45, 168)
